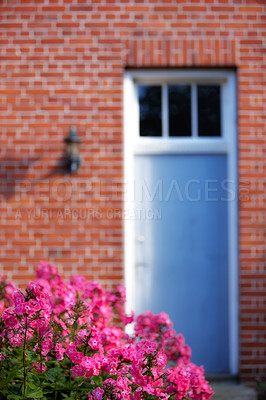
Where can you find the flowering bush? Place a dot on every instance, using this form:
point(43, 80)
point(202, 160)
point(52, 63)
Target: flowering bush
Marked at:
point(66, 340)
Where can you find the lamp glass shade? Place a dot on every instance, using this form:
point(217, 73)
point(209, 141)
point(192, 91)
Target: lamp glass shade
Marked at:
point(72, 142)
point(72, 149)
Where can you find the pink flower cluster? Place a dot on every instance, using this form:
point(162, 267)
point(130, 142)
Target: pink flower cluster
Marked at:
point(79, 327)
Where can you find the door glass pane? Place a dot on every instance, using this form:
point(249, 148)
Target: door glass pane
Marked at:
point(209, 114)
point(150, 110)
point(179, 99)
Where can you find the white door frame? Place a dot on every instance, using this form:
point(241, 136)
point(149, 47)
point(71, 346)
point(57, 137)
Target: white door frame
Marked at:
point(227, 144)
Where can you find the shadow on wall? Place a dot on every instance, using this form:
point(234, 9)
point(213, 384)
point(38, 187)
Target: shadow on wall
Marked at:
point(14, 171)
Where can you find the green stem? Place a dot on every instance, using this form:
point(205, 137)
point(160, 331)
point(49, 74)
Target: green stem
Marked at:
point(70, 375)
point(40, 353)
point(20, 388)
point(24, 360)
point(76, 392)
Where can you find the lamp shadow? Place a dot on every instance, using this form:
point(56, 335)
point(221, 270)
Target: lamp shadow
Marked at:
point(14, 171)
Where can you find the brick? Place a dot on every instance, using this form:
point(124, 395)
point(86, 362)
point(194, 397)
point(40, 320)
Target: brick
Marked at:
point(67, 24)
point(251, 9)
point(194, 8)
point(62, 64)
point(11, 25)
point(53, 8)
point(81, 7)
point(165, 8)
point(52, 41)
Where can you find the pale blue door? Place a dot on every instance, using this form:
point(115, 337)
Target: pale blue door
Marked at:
point(182, 249)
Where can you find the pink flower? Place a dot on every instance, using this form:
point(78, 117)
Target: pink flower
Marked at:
point(27, 309)
point(77, 282)
point(128, 319)
point(19, 301)
point(199, 387)
point(145, 347)
point(83, 334)
point(92, 365)
point(95, 343)
point(15, 339)
point(71, 351)
point(34, 304)
point(122, 292)
point(47, 346)
point(77, 357)
point(46, 270)
point(18, 297)
point(129, 352)
point(38, 323)
point(59, 352)
point(137, 364)
point(40, 367)
point(123, 385)
point(18, 308)
point(161, 359)
point(98, 394)
point(10, 320)
point(179, 382)
point(77, 370)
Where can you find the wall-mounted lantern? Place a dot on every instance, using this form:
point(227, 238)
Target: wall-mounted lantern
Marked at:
point(72, 149)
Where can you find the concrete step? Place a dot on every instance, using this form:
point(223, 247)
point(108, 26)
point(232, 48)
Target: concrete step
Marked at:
point(232, 391)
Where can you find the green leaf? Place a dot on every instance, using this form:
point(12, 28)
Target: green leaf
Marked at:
point(53, 373)
point(50, 390)
point(32, 355)
point(10, 378)
point(64, 337)
point(35, 393)
point(13, 397)
point(75, 325)
point(66, 397)
point(32, 386)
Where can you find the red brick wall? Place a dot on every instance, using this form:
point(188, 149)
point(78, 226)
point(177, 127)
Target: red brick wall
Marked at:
point(62, 64)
